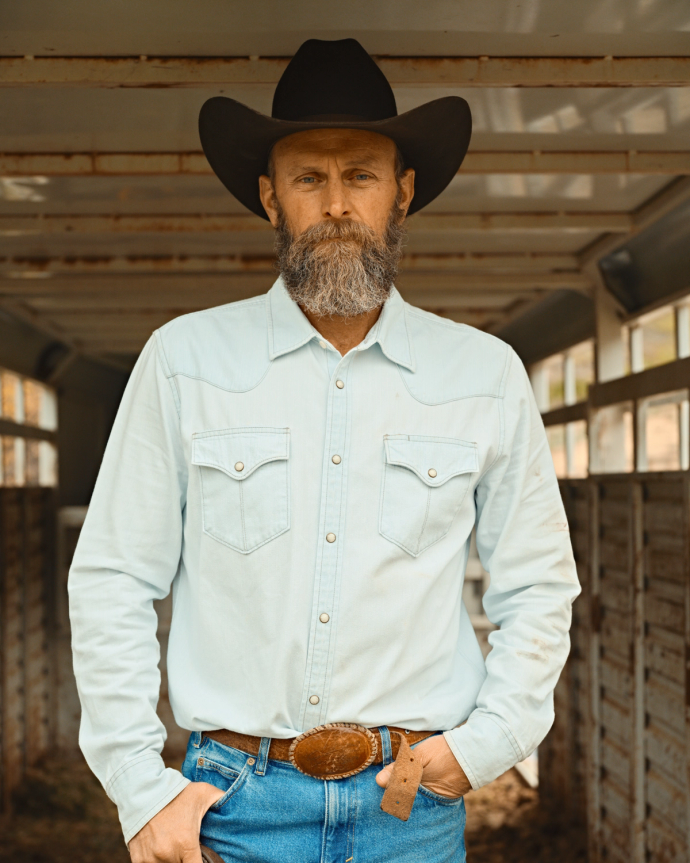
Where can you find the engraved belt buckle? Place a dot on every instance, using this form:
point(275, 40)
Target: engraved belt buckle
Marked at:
point(334, 751)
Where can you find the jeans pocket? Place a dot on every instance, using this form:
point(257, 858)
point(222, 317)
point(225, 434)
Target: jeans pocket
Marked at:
point(223, 778)
point(425, 480)
point(440, 798)
point(245, 485)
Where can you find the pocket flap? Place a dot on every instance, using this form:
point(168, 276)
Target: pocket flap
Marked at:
point(434, 459)
point(239, 452)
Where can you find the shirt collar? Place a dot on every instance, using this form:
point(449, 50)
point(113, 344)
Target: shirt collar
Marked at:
point(289, 329)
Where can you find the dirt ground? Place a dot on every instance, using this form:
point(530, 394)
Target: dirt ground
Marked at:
point(63, 816)
point(507, 824)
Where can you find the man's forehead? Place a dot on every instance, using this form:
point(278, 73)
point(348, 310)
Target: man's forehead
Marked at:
point(350, 144)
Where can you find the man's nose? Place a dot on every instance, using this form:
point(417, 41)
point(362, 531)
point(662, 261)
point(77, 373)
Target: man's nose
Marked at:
point(335, 203)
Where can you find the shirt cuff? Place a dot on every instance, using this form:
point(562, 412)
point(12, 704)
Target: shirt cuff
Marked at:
point(484, 747)
point(140, 789)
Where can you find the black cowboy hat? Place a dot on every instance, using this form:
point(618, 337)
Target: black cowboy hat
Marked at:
point(334, 85)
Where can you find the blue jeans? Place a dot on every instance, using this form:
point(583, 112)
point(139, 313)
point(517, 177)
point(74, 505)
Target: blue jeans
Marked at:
point(272, 813)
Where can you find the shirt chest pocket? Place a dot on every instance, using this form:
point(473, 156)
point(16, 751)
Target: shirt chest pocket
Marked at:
point(245, 485)
point(425, 479)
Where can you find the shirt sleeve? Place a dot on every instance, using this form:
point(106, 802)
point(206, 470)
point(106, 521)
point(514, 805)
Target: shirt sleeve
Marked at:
point(524, 544)
point(127, 556)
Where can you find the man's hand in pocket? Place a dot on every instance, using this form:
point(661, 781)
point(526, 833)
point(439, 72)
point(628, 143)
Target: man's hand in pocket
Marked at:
point(442, 773)
point(172, 836)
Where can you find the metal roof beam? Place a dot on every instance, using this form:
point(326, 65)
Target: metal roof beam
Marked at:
point(224, 284)
point(529, 222)
point(185, 301)
point(39, 268)
point(476, 162)
point(137, 72)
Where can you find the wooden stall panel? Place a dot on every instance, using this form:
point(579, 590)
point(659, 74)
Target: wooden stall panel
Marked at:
point(665, 625)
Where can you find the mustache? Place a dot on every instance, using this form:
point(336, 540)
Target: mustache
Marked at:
point(347, 230)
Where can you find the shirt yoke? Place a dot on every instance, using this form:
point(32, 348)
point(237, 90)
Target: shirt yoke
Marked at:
point(228, 347)
point(225, 346)
point(453, 361)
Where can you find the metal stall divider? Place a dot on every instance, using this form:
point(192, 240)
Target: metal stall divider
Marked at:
point(619, 751)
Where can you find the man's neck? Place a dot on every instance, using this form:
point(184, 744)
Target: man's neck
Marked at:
point(344, 333)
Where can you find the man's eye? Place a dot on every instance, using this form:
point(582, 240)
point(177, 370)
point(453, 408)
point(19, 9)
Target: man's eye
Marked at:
point(308, 180)
point(362, 176)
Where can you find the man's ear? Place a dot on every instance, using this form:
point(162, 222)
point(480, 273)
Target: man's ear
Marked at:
point(406, 186)
point(268, 199)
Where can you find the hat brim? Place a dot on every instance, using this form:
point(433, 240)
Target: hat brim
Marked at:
point(237, 141)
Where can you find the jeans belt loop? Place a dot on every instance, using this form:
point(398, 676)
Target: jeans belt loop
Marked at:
point(386, 746)
point(262, 757)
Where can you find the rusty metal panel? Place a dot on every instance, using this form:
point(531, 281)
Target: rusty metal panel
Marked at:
point(663, 845)
point(629, 716)
point(665, 617)
point(563, 754)
point(12, 653)
point(26, 682)
point(38, 567)
point(210, 72)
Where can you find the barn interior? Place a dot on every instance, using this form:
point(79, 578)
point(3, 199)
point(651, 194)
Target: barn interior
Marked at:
point(566, 233)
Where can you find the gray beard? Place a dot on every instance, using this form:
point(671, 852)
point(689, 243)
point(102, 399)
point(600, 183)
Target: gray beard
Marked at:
point(340, 268)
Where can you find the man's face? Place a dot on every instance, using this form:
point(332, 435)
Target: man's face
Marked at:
point(333, 174)
point(337, 205)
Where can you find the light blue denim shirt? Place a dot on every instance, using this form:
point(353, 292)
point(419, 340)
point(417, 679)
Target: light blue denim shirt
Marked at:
point(312, 514)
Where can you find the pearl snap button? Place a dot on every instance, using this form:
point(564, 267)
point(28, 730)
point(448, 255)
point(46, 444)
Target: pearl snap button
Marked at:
point(324, 618)
point(336, 459)
point(314, 699)
point(339, 384)
point(239, 466)
point(432, 473)
point(330, 537)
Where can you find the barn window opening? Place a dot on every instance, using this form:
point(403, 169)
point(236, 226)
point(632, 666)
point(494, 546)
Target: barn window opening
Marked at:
point(28, 425)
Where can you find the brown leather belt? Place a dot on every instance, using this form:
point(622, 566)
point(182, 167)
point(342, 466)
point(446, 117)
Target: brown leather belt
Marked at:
point(341, 749)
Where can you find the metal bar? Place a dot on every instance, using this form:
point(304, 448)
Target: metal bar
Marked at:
point(577, 162)
point(38, 268)
point(662, 379)
point(37, 614)
point(476, 162)
point(12, 429)
point(568, 414)
point(424, 283)
point(637, 779)
point(686, 650)
point(639, 416)
point(119, 72)
point(636, 337)
point(12, 601)
point(47, 224)
point(593, 714)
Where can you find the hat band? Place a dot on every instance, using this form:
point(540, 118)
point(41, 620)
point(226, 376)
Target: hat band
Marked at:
point(336, 118)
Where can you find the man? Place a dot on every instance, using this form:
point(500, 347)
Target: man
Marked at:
point(305, 470)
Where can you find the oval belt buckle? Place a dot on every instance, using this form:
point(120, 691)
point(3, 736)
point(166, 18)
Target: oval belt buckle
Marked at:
point(334, 751)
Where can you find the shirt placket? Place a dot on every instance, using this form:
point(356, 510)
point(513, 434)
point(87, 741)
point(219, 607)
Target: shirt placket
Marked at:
point(327, 577)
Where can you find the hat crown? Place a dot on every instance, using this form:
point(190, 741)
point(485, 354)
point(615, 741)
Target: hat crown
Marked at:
point(332, 80)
